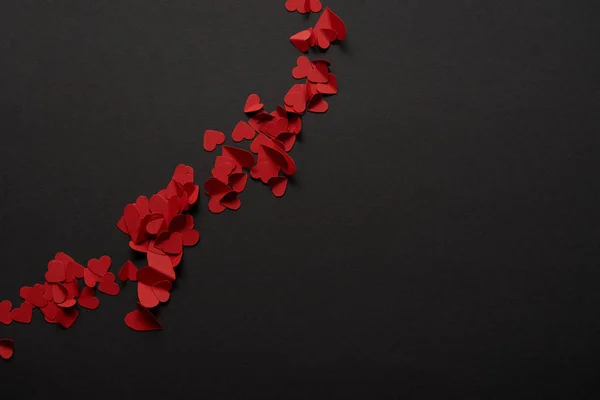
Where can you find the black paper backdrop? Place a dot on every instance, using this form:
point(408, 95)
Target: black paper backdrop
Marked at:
point(440, 239)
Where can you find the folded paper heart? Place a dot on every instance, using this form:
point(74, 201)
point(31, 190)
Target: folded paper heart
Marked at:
point(253, 104)
point(212, 139)
point(6, 349)
point(142, 320)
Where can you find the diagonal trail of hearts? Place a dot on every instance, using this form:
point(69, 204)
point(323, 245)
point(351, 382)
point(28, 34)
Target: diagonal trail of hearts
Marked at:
point(161, 226)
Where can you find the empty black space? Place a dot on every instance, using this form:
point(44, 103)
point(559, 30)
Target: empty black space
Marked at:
point(440, 239)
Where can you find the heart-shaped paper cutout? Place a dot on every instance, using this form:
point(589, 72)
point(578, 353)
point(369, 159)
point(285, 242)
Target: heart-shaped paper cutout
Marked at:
point(100, 266)
point(253, 104)
point(56, 272)
point(67, 316)
point(23, 313)
point(73, 270)
point(278, 185)
point(6, 349)
point(87, 299)
point(128, 272)
point(242, 131)
point(212, 139)
point(108, 286)
point(142, 320)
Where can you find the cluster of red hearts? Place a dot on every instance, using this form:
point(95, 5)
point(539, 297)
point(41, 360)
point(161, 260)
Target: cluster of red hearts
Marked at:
point(273, 134)
point(160, 227)
point(60, 295)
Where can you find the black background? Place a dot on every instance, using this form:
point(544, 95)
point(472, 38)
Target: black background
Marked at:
point(441, 239)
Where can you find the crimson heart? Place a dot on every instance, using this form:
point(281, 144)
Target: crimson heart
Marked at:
point(108, 286)
point(212, 139)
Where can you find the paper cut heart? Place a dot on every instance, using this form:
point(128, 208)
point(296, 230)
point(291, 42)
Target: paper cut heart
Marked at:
point(278, 185)
point(87, 299)
point(212, 139)
point(56, 272)
point(242, 131)
point(108, 286)
point(66, 317)
point(99, 266)
point(253, 104)
point(23, 313)
point(6, 349)
point(301, 40)
point(128, 272)
point(142, 320)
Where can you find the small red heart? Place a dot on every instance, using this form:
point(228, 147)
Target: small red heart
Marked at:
point(128, 272)
point(253, 104)
point(50, 311)
point(133, 221)
point(101, 266)
point(212, 139)
point(238, 182)
point(319, 74)
point(59, 293)
point(6, 349)
point(67, 303)
point(296, 98)
point(296, 5)
point(35, 296)
point(5, 307)
point(23, 313)
point(301, 40)
point(67, 316)
point(330, 87)
point(142, 320)
point(24, 292)
point(156, 223)
point(303, 68)
point(108, 286)
point(243, 131)
point(161, 290)
point(264, 171)
point(318, 105)
point(56, 272)
point(87, 299)
point(146, 295)
point(278, 185)
point(90, 278)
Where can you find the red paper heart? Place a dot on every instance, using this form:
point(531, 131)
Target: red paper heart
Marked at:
point(50, 311)
point(108, 286)
point(67, 316)
point(35, 296)
point(238, 181)
point(5, 307)
point(318, 105)
point(87, 299)
point(253, 104)
point(101, 266)
point(90, 278)
point(67, 303)
point(128, 272)
point(278, 185)
point(319, 73)
point(23, 313)
point(146, 295)
point(6, 349)
point(303, 68)
point(301, 40)
point(59, 293)
point(264, 171)
point(56, 272)
point(212, 139)
point(142, 320)
point(161, 290)
point(242, 131)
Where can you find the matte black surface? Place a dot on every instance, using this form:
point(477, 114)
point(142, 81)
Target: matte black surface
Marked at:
point(441, 240)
